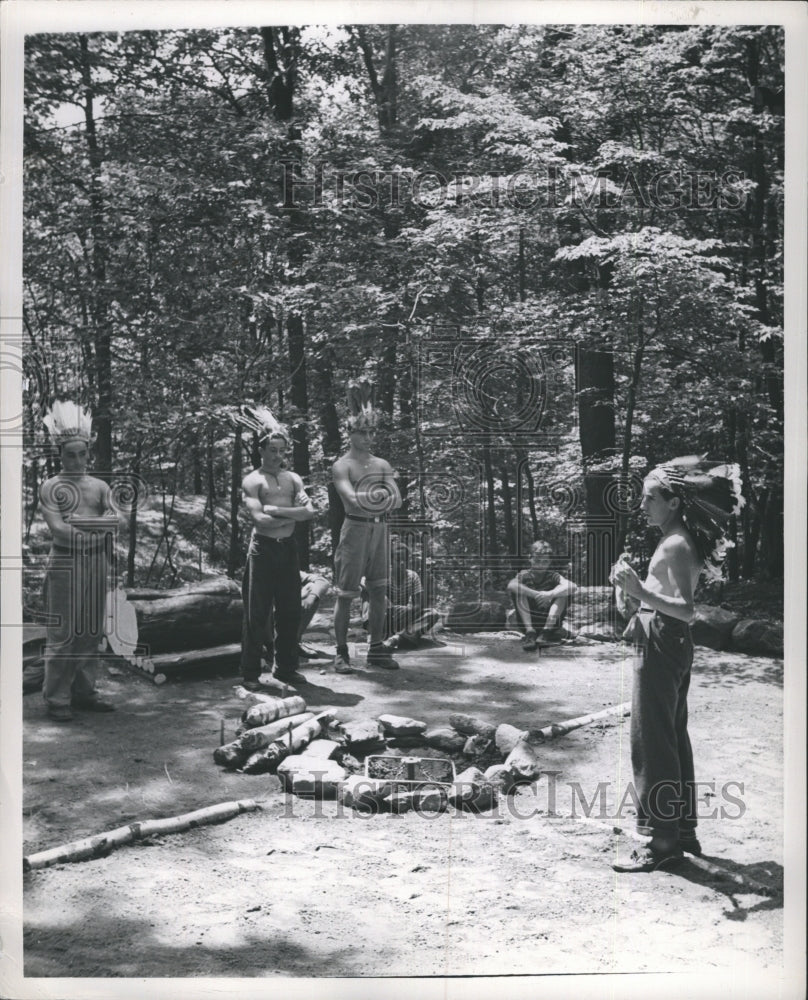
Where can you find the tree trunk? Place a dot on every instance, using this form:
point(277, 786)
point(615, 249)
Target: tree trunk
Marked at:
point(385, 91)
point(490, 509)
point(631, 402)
point(211, 478)
point(594, 376)
point(507, 503)
point(299, 399)
point(102, 334)
point(234, 554)
point(130, 555)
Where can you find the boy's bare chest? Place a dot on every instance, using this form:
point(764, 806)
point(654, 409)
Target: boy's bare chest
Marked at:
point(361, 472)
point(277, 490)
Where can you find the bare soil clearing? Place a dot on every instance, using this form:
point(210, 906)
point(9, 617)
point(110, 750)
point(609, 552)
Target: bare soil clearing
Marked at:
point(299, 890)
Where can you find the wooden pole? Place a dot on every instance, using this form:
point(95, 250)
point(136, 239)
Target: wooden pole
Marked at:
point(562, 728)
point(101, 844)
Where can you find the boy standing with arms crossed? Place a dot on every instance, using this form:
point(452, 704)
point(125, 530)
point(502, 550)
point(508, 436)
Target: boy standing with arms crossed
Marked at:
point(368, 491)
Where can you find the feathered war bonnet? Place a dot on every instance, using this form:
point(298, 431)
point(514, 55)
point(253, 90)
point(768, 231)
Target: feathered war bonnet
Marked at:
point(261, 422)
point(361, 412)
point(708, 497)
point(263, 425)
point(67, 421)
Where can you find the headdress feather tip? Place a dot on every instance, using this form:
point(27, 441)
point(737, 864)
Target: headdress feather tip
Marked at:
point(361, 412)
point(67, 421)
point(261, 421)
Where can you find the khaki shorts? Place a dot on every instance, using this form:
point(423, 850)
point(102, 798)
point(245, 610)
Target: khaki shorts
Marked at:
point(363, 551)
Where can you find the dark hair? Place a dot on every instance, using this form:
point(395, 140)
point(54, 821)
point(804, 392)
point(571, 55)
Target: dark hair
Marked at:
point(705, 532)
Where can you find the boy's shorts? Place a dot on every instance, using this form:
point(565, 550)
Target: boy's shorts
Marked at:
point(363, 551)
point(538, 614)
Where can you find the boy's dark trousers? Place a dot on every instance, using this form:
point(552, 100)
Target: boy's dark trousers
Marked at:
point(661, 755)
point(271, 593)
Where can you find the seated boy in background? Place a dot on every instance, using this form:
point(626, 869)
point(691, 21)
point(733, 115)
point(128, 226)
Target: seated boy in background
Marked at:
point(406, 619)
point(313, 587)
point(541, 597)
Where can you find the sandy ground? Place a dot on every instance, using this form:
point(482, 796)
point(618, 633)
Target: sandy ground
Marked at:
point(299, 890)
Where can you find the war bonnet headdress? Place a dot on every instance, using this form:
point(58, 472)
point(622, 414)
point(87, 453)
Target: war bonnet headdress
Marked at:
point(261, 422)
point(709, 498)
point(361, 413)
point(67, 421)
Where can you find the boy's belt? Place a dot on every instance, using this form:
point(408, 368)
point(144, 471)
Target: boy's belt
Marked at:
point(356, 517)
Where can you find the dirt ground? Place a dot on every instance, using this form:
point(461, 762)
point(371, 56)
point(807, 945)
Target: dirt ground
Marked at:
point(297, 889)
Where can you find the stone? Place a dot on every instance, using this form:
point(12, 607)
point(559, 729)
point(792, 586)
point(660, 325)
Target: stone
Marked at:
point(430, 799)
point(476, 616)
point(761, 638)
point(311, 777)
point(476, 745)
point(500, 777)
point(712, 627)
point(445, 739)
point(398, 802)
point(469, 726)
point(363, 794)
point(592, 606)
point(601, 632)
point(507, 737)
point(322, 748)
point(523, 762)
point(472, 792)
point(399, 725)
point(366, 733)
point(406, 742)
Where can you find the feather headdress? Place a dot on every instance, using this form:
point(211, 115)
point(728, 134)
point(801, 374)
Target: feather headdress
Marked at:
point(261, 422)
point(361, 413)
point(709, 498)
point(67, 421)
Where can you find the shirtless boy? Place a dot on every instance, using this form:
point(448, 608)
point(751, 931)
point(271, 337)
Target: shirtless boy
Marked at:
point(675, 500)
point(77, 569)
point(368, 491)
point(275, 500)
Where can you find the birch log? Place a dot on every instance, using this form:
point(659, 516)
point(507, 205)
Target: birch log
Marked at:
point(562, 728)
point(268, 711)
point(100, 844)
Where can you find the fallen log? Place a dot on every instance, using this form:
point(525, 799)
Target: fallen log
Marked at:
point(562, 728)
point(238, 752)
point(216, 656)
point(268, 711)
point(188, 617)
point(103, 843)
point(295, 739)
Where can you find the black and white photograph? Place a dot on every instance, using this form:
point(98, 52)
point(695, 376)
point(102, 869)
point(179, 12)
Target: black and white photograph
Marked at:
point(403, 467)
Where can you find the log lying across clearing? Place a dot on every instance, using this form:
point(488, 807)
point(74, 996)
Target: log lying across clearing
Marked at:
point(562, 728)
point(102, 843)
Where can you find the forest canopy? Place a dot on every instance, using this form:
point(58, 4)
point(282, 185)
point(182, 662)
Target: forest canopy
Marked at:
point(557, 251)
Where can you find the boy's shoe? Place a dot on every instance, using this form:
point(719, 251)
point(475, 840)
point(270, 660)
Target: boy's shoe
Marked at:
point(381, 658)
point(59, 713)
point(529, 642)
point(94, 705)
point(255, 686)
point(290, 677)
point(689, 843)
point(342, 665)
point(551, 636)
point(646, 860)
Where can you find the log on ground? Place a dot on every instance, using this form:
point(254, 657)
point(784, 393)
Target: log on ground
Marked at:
point(101, 844)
